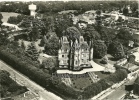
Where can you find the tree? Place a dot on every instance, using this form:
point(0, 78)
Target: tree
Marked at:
point(136, 87)
point(23, 45)
point(131, 59)
point(4, 78)
point(1, 17)
point(98, 12)
point(125, 11)
point(72, 33)
point(3, 40)
point(107, 35)
point(13, 87)
point(62, 22)
point(116, 49)
point(16, 20)
point(100, 49)
point(52, 45)
point(34, 34)
point(91, 34)
point(32, 51)
point(50, 63)
point(125, 35)
point(121, 74)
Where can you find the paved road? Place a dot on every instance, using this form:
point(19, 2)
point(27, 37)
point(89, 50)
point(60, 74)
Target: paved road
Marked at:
point(23, 80)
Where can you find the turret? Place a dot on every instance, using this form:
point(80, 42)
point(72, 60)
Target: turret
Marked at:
point(91, 50)
point(81, 39)
point(91, 54)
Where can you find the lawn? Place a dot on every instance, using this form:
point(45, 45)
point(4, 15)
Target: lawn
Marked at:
point(36, 43)
point(81, 81)
point(111, 60)
point(102, 75)
point(6, 15)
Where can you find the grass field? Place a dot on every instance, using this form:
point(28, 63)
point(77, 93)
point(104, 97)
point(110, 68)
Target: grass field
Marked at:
point(6, 15)
point(81, 81)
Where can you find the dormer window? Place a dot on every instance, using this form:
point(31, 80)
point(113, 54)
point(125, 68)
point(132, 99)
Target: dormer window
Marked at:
point(76, 62)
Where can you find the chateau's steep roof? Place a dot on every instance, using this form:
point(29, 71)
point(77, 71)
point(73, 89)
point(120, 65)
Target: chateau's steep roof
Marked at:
point(76, 45)
point(65, 46)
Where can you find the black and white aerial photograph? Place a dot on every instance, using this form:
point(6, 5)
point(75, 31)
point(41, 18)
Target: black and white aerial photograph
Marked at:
point(69, 50)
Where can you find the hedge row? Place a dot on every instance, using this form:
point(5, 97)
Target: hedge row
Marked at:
point(105, 83)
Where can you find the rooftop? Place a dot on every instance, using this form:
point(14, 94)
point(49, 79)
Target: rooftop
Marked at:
point(67, 11)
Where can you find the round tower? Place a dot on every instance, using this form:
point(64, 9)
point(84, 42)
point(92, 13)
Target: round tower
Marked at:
point(32, 9)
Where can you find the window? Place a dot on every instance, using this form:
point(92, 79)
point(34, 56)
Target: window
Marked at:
point(66, 50)
point(62, 55)
point(61, 61)
point(64, 61)
point(76, 62)
point(84, 55)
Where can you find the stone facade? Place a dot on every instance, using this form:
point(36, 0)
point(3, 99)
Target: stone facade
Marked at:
point(74, 55)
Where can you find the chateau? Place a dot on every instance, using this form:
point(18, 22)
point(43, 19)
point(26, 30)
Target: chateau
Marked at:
point(74, 55)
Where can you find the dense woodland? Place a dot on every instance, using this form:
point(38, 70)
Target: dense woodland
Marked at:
point(57, 6)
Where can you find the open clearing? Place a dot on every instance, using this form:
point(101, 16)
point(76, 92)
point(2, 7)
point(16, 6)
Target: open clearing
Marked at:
point(6, 15)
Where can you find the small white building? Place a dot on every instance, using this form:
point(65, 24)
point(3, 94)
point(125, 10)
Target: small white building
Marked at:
point(131, 43)
point(136, 54)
